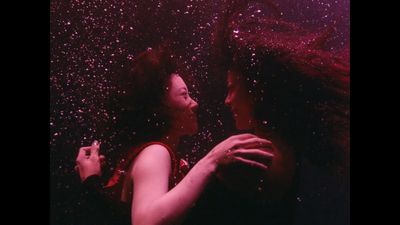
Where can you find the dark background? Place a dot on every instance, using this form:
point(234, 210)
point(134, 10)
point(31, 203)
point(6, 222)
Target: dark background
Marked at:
point(90, 41)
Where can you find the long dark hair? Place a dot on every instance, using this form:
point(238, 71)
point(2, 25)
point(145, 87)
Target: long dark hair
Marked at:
point(300, 89)
point(140, 113)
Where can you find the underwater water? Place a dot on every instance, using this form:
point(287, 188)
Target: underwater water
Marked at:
point(91, 41)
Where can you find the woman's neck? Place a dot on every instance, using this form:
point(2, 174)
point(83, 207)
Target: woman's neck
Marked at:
point(281, 172)
point(262, 130)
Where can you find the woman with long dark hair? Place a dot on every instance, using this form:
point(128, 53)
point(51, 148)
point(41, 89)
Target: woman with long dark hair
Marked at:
point(283, 85)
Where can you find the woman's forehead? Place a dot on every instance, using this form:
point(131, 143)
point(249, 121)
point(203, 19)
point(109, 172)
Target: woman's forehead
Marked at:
point(177, 82)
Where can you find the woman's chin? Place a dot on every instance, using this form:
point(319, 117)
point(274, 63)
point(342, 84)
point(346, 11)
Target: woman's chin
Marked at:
point(193, 132)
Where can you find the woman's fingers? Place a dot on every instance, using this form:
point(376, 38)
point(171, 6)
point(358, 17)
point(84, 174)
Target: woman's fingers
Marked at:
point(89, 152)
point(253, 152)
point(242, 136)
point(83, 152)
point(94, 149)
point(257, 155)
point(251, 163)
point(254, 142)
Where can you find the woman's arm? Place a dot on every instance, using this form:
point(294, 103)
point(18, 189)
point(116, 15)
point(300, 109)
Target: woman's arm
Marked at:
point(153, 204)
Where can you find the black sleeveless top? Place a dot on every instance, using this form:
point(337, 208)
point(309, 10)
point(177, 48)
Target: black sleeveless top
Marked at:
point(102, 205)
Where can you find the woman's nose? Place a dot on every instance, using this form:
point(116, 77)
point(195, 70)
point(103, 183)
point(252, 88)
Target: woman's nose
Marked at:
point(194, 106)
point(228, 100)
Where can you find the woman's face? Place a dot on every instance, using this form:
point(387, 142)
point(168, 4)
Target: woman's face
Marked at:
point(240, 101)
point(183, 107)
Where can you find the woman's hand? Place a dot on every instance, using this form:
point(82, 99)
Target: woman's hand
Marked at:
point(243, 164)
point(245, 149)
point(89, 161)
